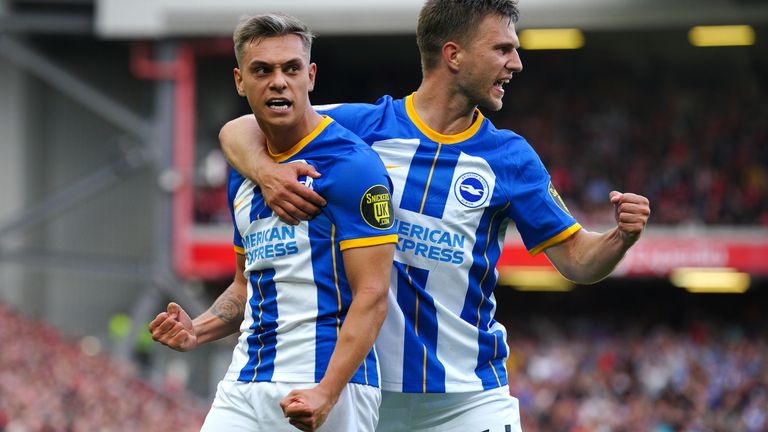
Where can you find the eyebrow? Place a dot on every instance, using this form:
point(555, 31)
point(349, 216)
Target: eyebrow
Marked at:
point(513, 44)
point(259, 63)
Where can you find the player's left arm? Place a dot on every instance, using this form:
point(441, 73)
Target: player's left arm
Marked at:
point(587, 257)
point(368, 270)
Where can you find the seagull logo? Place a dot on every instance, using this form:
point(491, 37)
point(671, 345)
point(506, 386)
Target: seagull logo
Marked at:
point(471, 190)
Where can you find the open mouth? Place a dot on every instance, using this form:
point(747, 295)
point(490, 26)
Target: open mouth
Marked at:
point(500, 83)
point(279, 104)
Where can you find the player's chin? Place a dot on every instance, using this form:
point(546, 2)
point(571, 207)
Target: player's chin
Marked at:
point(492, 104)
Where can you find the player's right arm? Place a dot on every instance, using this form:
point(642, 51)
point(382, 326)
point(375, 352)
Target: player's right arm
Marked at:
point(367, 269)
point(174, 328)
point(244, 146)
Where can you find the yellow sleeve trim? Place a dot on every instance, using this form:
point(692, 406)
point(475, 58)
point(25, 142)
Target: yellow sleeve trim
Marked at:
point(368, 241)
point(239, 250)
point(555, 240)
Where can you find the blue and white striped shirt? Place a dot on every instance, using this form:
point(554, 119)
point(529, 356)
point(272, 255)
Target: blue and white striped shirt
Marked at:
point(298, 292)
point(454, 196)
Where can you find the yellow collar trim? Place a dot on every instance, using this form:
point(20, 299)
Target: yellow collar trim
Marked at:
point(437, 136)
point(280, 157)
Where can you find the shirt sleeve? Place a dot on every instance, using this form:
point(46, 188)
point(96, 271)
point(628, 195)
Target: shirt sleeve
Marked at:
point(359, 195)
point(539, 212)
point(233, 185)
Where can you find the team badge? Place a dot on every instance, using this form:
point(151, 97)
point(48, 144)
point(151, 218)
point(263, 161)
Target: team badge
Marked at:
point(557, 199)
point(376, 207)
point(471, 189)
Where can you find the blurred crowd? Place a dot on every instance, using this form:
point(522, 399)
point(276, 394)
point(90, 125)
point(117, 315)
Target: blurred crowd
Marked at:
point(585, 376)
point(569, 375)
point(696, 146)
point(48, 384)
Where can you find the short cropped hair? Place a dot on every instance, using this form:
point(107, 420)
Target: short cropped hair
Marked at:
point(256, 27)
point(442, 21)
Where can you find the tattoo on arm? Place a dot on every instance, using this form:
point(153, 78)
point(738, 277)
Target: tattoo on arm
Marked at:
point(229, 308)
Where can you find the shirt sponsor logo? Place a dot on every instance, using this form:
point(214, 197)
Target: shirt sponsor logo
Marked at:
point(270, 243)
point(431, 243)
point(471, 190)
point(376, 207)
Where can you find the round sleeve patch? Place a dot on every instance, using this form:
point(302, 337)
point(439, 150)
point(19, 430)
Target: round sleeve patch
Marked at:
point(376, 207)
point(557, 199)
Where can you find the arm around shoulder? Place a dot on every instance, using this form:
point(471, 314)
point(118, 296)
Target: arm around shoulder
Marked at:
point(245, 148)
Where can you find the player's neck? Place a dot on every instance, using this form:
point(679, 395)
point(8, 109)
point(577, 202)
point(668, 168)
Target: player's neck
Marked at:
point(282, 137)
point(443, 110)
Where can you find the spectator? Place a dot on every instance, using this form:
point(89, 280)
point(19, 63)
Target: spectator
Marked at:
point(592, 378)
point(48, 385)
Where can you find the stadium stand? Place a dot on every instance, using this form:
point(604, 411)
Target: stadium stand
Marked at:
point(693, 139)
point(580, 376)
point(47, 384)
point(694, 146)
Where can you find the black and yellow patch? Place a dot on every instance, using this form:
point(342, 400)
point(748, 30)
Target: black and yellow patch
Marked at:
point(376, 207)
point(558, 200)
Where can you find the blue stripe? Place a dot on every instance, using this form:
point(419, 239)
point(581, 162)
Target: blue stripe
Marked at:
point(259, 208)
point(419, 175)
point(477, 303)
point(488, 374)
point(234, 182)
point(329, 318)
point(327, 301)
point(263, 341)
point(420, 333)
point(371, 369)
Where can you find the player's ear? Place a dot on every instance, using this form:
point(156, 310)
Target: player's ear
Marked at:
point(238, 82)
point(312, 69)
point(451, 55)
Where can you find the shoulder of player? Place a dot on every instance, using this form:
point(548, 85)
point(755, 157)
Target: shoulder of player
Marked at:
point(344, 148)
point(354, 107)
point(502, 136)
point(509, 146)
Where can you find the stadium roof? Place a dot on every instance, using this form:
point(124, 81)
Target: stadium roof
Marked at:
point(159, 18)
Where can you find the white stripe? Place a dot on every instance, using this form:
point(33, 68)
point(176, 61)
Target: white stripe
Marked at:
point(397, 155)
point(297, 312)
point(390, 343)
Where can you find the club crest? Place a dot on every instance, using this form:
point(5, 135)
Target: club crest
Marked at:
point(471, 190)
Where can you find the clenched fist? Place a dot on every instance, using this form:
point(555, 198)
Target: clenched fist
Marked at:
point(632, 212)
point(173, 328)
